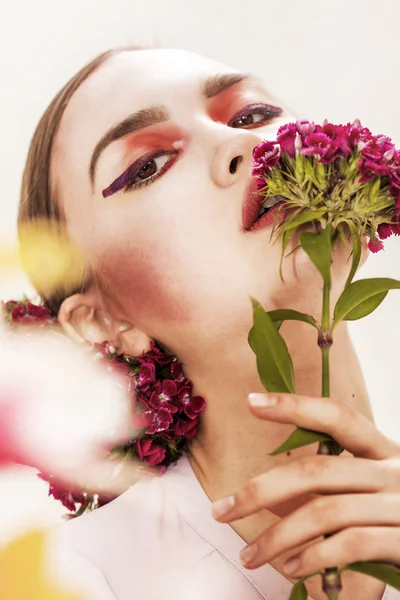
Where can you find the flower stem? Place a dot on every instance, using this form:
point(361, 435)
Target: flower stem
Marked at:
point(331, 580)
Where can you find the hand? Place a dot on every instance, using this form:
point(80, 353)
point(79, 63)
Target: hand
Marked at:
point(359, 495)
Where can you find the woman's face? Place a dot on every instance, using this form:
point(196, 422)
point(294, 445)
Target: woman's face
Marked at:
point(174, 251)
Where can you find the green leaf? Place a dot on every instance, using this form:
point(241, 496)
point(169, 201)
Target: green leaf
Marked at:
point(287, 314)
point(274, 363)
point(305, 216)
point(356, 253)
point(319, 248)
point(302, 437)
point(388, 573)
point(362, 297)
point(299, 591)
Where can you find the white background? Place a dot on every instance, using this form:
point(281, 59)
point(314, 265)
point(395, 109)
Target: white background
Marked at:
point(337, 59)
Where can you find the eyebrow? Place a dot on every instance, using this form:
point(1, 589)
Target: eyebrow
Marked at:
point(154, 115)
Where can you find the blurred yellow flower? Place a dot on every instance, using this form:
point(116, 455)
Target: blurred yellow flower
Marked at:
point(22, 572)
point(50, 259)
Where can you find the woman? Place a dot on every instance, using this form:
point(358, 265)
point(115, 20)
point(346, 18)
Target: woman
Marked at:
point(170, 257)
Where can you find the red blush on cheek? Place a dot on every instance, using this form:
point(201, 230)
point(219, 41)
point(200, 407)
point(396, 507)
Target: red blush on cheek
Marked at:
point(146, 293)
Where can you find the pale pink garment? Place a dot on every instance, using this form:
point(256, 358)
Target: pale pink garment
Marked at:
point(159, 541)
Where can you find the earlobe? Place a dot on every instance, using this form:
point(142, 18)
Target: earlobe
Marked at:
point(84, 320)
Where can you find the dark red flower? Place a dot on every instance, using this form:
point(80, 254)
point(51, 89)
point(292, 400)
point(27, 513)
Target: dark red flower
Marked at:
point(156, 356)
point(159, 420)
point(192, 405)
point(150, 451)
point(67, 496)
point(146, 376)
point(187, 429)
point(163, 395)
point(31, 314)
point(177, 371)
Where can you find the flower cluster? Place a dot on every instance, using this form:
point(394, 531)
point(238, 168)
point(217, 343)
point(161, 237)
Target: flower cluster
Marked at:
point(165, 413)
point(354, 174)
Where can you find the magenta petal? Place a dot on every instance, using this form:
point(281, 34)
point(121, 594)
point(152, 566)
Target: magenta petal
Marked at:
point(375, 245)
point(169, 388)
point(192, 414)
point(197, 403)
point(385, 230)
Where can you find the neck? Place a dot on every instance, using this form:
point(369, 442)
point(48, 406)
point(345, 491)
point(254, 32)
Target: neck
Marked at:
point(233, 445)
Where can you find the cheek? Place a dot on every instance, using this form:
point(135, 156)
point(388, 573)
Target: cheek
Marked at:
point(145, 280)
point(144, 290)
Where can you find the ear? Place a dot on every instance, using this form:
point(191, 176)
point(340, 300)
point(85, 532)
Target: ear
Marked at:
point(84, 319)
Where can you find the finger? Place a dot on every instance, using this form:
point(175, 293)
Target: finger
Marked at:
point(324, 515)
point(356, 544)
point(319, 474)
point(347, 426)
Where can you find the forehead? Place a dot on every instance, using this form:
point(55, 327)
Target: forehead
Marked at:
point(133, 80)
point(127, 82)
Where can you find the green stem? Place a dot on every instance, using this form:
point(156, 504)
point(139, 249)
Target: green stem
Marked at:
point(325, 372)
point(331, 580)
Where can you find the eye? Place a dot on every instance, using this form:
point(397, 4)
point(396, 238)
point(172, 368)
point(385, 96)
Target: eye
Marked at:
point(255, 115)
point(142, 172)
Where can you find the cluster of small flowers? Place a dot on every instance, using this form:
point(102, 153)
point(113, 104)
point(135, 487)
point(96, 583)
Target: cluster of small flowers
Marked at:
point(377, 157)
point(164, 412)
point(163, 406)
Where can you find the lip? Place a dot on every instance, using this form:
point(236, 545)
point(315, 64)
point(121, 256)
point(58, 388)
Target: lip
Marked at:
point(251, 207)
point(251, 204)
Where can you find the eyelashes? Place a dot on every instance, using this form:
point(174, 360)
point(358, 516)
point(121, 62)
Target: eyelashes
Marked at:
point(144, 165)
point(267, 111)
point(148, 166)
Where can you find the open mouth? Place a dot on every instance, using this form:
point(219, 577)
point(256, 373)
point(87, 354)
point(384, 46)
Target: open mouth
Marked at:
point(257, 211)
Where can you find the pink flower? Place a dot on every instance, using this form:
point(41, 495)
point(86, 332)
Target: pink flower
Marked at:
point(266, 155)
point(372, 151)
point(385, 230)
point(369, 169)
point(394, 177)
point(375, 245)
point(396, 222)
point(340, 142)
point(147, 375)
point(286, 137)
point(316, 144)
point(192, 405)
point(357, 133)
point(305, 128)
point(149, 451)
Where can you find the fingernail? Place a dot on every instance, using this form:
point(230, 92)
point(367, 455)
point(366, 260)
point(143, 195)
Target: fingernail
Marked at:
point(262, 400)
point(248, 554)
point(223, 506)
point(292, 565)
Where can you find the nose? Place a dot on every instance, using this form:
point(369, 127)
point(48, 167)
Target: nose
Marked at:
point(233, 158)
